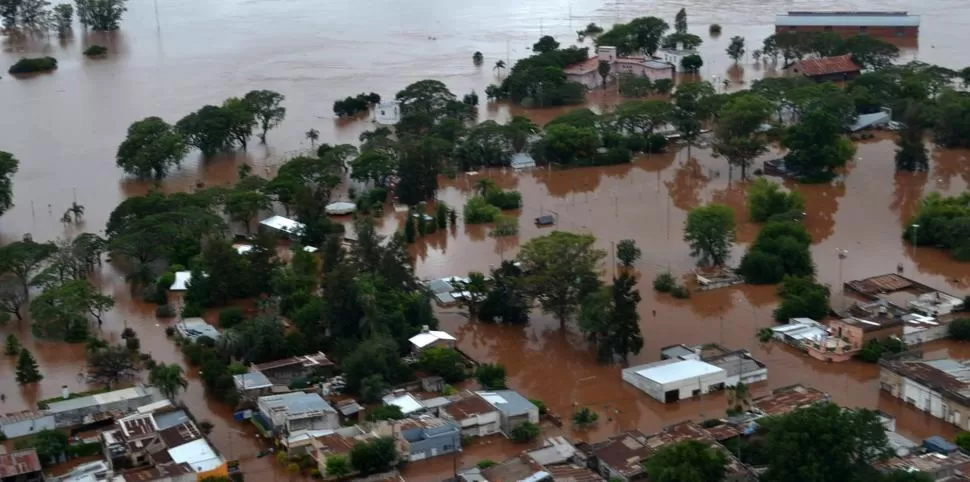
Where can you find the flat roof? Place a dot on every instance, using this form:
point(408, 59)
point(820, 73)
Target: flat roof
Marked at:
point(283, 224)
point(509, 402)
point(295, 403)
point(406, 402)
point(422, 340)
point(198, 454)
point(847, 19)
point(251, 381)
point(678, 370)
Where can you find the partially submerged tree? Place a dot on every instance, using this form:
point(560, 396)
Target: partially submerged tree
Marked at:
point(710, 232)
point(563, 268)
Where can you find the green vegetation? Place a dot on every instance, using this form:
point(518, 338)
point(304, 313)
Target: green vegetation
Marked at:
point(960, 329)
point(543, 409)
point(767, 201)
point(714, 29)
point(738, 133)
point(642, 34)
point(479, 211)
point(352, 106)
point(781, 248)
point(710, 232)
point(37, 64)
point(943, 222)
point(562, 269)
point(491, 376)
point(27, 369)
point(486, 463)
point(664, 282)
point(585, 417)
point(610, 320)
point(444, 362)
point(11, 346)
point(627, 252)
point(385, 412)
point(687, 461)
point(875, 349)
point(525, 432)
point(802, 297)
point(374, 456)
point(95, 51)
point(539, 80)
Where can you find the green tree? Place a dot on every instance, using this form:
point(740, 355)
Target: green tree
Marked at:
point(101, 14)
point(687, 461)
point(870, 52)
point(8, 167)
point(313, 136)
point(816, 146)
point(680, 21)
point(627, 251)
point(242, 120)
point(738, 133)
point(569, 145)
point(491, 376)
point(487, 144)
point(476, 291)
point(802, 297)
point(735, 49)
point(690, 111)
point(585, 417)
point(50, 444)
point(111, 365)
point(337, 466)
point(11, 346)
point(563, 268)
point(911, 152)
point(209, 129)
point(692, 63)
point(766, 199)
point(642, 34)
point(63, 18)
point(710, 233)
point(386, 412)
point(960, 329)
point(507, 300)
point(242, 206)
point(420, 161)
point(372, 388)
point(377, 356)
point(151, 148)
point(444, 362)
point(848, 440)
point(603, 68)
point(545, 44)
point(23, 259)
point(525, 432)
point(169, 379)
point(375, 165)
point(623, 337)
point(267, 106)
point(374, 456)
point(518, 131)
point(781, 248)
point(27, 370)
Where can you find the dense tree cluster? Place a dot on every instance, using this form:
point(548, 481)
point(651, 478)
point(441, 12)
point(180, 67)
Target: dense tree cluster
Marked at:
point(710, 232)
point(642, 35)
point(866, 50)
point(539, 80)
point(802, 297)
point(610, 320)
point(766, 202)
point(352, 106)
point(943, 222)
point(781, 248)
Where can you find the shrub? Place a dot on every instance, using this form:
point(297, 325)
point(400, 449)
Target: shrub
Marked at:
point(714, 29)
point(38, 64)
point(680, 292)
point(170, 331)
point(960, 329)
point(192, 310)
point(615, 155)
point(231, 317)
point(95, 50)
point(543, 409)
point(766, 199)
point(486, 463)
point(525, 432)
point(505, 226)
point(165, 311)
point(802, 297)
point(782, 248)
point(664, 282)
point(479, 211)
point(504, 199)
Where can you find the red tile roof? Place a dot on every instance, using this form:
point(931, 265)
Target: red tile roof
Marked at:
point(19, 463)
point(827, 66)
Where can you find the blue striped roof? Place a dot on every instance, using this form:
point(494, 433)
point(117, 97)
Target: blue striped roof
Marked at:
point(847, 19)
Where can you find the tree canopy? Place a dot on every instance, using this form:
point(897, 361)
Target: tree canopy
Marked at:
point(562, 269)
point(710, 233)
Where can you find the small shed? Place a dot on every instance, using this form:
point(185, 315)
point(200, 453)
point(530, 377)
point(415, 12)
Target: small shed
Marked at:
point(340, 208)
point(283, 225)
point(521, 160)
point(546, 220)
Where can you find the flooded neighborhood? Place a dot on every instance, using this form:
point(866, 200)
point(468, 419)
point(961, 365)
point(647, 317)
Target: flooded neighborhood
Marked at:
point(291, 404)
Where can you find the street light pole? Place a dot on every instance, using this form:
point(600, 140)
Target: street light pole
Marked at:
point(915, 234)
point(842, 254)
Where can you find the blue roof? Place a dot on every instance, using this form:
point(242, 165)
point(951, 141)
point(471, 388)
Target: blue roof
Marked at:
point(939, 444)
point(869, 120)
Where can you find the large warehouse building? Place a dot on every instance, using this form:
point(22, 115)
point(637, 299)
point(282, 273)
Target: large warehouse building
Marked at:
point(672, 380)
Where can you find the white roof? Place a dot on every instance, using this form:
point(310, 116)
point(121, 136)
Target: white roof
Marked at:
point(407, 403)
point(847, 19)
point(242, 248)
point(422, 340)
point(680, 370)
point(182, 279)
point(310, 249)
point(119, 395)
point(340, 208)
point(154, 406)
point(283, 224)
point(198, 454)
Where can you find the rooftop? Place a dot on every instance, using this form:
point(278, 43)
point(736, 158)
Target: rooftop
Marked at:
point(468, 406)
point(847, 19)
point(787, 399)
point(509, 402)
point(307, 361)
point(515, 469)
point(180, 434)
point(883, 284)
point(572, 473)
point(296, 403)
point(157, 472)
point(19, 463)
point(624, 453)
point(952, 377)
point(873, 323)
point(735, 363)
point(198, 454)
point(251, 381)
point(667, 371)
point(930, 463)
point(827, 65)
point(406, 402)
point(99, 399)
point(424, 339)
point(195, 328)
point(284, 224)
point(801, 330)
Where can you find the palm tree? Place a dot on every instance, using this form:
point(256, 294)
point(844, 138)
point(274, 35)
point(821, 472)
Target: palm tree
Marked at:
point(313, 135)
point(77, 210)
point(169, 379)
point(499, 66)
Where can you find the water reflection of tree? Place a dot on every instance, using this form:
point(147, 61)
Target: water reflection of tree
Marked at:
point(821, 206)
point(907, 194)
point(655, 162)
point(685, 188)
point(949, 163)
point(571, 181)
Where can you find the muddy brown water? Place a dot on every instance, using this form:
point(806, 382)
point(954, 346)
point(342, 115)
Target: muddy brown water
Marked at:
point(173, 56)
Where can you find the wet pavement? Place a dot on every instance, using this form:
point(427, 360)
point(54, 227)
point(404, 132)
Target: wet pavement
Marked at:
point(167, 61)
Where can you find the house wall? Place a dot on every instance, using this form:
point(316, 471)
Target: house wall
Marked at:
point(687, 386)
point(649, 387)
point(76, 416)
point(883, 32)
point(641, 71)
point(441, 444)
point(285, 375)
point(327, 420)
point(672, 58)
point(924, 398)
point(748, 378)
point(27, 427)
point(480, 425)
point(938, 332)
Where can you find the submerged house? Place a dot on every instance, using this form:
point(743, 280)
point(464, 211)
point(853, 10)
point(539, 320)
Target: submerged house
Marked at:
point(826, 69)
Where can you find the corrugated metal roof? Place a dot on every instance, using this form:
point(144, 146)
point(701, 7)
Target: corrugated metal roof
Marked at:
point(679, 370)
point(847, 19)
point(509, 402)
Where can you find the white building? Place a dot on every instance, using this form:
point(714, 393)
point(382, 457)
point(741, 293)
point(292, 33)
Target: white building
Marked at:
point(672, 380)
point(473, 414)
point(587, 71)
point(674, 56)
point(388, 112)
point(431, 339)
point(283, 225)
point(513, 408)
point(295, 411)
point(405, 401)
point(738, 365)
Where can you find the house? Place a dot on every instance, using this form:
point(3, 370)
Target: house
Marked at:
point(289, 412)
point(522, 160)
point(91, 408)
point(282, 372)
point(739, 365)
point(474, 415)
point(671, 380)
point(20, 424)
point(194, 328)
point(826, 69)
point(621, 456)
point(282, 225)
point(21, 466)
point(431, 339)
point(160, 473)
point(556, 460)
point(940, 467)
point(814, 339)
point(674, 56)
point(939, 387)
point(252, 385)
point(925, 311)
point(93, 471)
point(587, 71)
point(859, 331)
point(514, 409)
point(336, 443)
point(423, 437)
point(405, 401)
point(388, 112)
point(787, 399)
point(877, 24)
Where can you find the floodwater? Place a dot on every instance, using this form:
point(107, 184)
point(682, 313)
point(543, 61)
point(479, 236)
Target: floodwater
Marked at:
point(173, 56)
